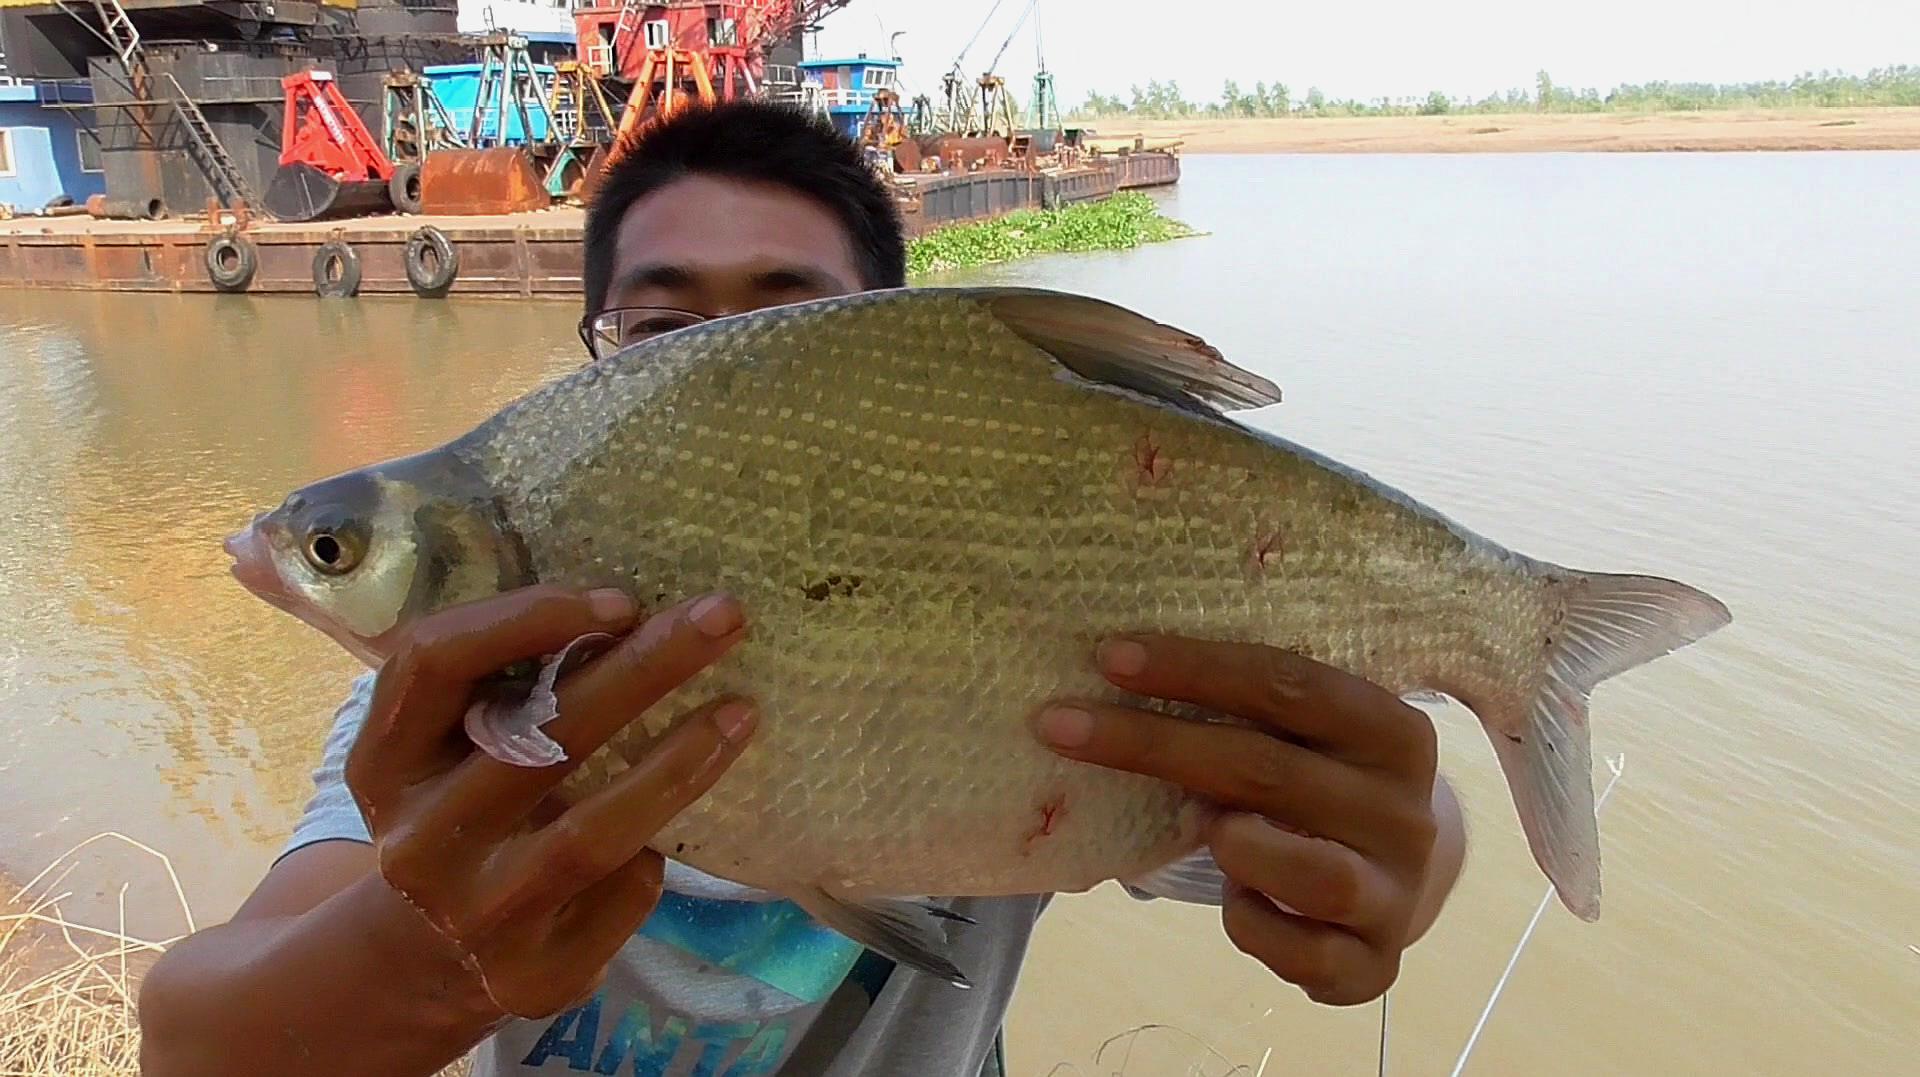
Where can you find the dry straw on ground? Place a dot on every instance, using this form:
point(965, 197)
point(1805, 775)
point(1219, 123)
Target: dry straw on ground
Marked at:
point(72, 1014)
point(69, 992)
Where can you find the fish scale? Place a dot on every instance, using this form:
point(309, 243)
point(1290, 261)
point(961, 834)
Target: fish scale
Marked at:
point(960, 680)
point(954, 683)
point(933, 504)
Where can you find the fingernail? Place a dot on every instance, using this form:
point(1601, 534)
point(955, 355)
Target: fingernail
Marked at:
point(1066, 727)
point(609, 604)
point(735, 720)
point(715, 615)
point(1123, 657)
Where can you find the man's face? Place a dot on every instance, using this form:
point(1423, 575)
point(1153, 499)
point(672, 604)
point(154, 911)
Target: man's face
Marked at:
point(718, 247)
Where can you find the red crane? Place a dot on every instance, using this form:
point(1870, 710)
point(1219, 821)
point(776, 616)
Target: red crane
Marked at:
point(676, 52)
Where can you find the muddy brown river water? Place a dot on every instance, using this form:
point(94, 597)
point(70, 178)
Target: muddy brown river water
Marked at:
point(1703, 366)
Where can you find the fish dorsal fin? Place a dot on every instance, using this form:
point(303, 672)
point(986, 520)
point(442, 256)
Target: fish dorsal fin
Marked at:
point(1111, 345)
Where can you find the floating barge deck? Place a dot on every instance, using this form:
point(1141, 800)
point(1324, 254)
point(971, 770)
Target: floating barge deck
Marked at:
point(523, 254)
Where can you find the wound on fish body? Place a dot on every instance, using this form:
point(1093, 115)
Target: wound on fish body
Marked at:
point(1151, 464)
point(1052, 810)
point(1267, 545)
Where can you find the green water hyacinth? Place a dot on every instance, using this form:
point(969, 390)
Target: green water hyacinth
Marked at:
point(1122, 222)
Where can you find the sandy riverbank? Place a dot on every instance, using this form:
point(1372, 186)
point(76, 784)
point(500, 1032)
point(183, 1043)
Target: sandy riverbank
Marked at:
point(1797, 129)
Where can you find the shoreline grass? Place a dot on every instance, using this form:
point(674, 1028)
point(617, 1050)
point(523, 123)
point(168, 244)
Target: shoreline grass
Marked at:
point(74, 1015)
point(1123, 221)
point(69, 992)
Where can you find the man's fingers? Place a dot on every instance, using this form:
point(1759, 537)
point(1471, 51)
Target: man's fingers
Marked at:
point(1297, 696)
point(422, 691)
point(600, 834)
point(1333, 967)
point(1319, 879)
point(605, 915)
point(1235, 767)
point(602, 697)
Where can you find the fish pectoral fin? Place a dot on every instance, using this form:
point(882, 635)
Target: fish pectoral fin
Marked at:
point(1114, 346)
point(509, 729)
point(1611, 624)
point(905, 932)
point(1194, 878)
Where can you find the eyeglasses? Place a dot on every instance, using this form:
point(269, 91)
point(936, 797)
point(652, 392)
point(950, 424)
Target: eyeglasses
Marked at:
point(610, 330)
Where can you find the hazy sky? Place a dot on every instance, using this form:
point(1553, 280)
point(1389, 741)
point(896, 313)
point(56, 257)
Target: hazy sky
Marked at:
point(1384, 47)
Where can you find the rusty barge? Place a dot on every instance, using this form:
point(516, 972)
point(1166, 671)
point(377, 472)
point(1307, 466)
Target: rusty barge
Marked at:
point(534, 253)
point(346, 147)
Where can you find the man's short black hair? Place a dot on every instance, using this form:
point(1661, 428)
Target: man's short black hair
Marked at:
point(755, 141)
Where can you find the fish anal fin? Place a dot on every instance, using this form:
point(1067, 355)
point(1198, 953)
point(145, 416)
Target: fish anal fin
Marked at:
point(906, 932)
point(1609, 624)
point(1195, 878)
point(1114, 346)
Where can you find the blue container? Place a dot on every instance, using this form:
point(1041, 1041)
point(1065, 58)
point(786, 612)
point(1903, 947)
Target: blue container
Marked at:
point(457, 86)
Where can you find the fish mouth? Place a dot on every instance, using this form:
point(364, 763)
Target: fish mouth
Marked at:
point(254, 569)
point(253, 565)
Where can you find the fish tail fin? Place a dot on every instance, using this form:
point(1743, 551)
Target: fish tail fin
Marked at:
point(1610, 624)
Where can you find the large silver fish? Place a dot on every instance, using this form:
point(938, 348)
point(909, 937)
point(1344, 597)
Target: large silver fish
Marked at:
point(933, 503)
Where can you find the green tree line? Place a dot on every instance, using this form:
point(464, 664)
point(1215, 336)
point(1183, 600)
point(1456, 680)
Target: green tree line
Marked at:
point(1885, 86)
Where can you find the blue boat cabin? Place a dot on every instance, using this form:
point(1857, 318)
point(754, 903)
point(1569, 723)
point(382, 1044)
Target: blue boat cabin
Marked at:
point(847, 86)
point(47, 146)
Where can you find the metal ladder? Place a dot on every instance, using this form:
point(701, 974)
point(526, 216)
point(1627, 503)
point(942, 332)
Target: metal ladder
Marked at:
point(630, 13)
point(227, 181)
point(124, 39)
point(120, 31)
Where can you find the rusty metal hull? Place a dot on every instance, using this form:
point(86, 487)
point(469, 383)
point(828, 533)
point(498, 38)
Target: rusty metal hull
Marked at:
point(1149, 169)
point(514, 254)
point(532, 254)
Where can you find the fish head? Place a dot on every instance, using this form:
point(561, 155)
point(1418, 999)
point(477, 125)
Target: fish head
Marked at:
point(362, 555)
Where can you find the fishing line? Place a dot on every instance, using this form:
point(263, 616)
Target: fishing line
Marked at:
point(1381, 1069)
point(1617, 766)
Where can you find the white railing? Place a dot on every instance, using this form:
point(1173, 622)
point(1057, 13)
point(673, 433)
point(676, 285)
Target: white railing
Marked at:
point(843, 95)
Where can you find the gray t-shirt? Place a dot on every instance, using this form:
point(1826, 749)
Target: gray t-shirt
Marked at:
point(721, 981)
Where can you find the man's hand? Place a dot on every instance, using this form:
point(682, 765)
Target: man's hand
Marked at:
point(1329, 806)
point(537, 895)
point(486, 895)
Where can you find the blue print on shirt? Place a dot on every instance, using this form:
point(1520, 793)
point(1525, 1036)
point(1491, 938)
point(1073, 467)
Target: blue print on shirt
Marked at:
point(650, 1049)
point(747, 1049)
point(774, 942)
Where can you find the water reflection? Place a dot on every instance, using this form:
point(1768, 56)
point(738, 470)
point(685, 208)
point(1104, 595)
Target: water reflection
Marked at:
point(140, 683)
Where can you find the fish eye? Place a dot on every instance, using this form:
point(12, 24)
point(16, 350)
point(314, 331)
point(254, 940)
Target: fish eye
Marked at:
point(331, 552)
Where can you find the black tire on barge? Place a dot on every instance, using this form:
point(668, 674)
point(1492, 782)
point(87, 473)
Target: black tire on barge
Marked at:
point(336, 270)
point(231, 262)
point(432, 262)
point(403, 190)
